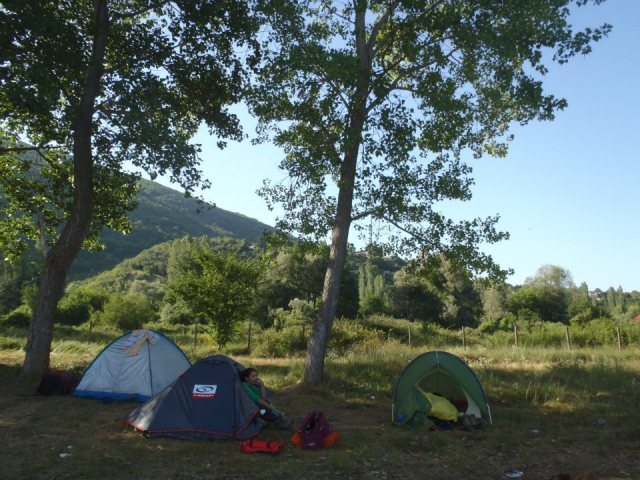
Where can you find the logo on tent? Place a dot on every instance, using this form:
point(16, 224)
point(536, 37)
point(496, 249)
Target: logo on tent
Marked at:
point(204, 391)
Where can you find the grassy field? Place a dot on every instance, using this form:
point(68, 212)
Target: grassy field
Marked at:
point(557, 414)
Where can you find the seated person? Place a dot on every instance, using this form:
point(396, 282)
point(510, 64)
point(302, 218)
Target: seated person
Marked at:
point(258, 393)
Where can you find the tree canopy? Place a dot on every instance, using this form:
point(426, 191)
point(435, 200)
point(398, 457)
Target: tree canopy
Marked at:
point(218, 287)
point(110, 84)
point(376, 105)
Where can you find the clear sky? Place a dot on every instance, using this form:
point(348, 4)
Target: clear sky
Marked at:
point(568, 190)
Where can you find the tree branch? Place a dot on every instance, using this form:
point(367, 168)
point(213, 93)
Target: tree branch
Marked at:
point(362, 215)
point(148, 8)
point(412, 234)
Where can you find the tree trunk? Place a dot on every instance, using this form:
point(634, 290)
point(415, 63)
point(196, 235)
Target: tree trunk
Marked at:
point(317, 348)
point(314, 364)
point(58, 260)
point(40, 335)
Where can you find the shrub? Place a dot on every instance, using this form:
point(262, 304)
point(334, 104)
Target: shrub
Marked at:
point(630, 333)
point(18, 317)
point(176, 314)
point(346, 334)
point(11, 343)
point(489, 326)
point(76, 306)
point(498, 339)
point(286, 342)
point(128, 312)
point(154, 291)
point(504, 324)
point(29, 295)
point(508, 322)
point(300, 312)
point(397, 328)
point(597, 332)
point(582, 318)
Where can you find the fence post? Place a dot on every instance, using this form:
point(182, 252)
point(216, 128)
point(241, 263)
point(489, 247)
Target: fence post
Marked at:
point(515, 333)
point(566, 331)
point(464, 341)
point(619, 341)
point(409, 335)
point(195, 336)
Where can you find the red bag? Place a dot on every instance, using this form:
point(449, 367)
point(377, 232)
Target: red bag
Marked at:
point(57, 382)
point(264, 446)
point(314, 431)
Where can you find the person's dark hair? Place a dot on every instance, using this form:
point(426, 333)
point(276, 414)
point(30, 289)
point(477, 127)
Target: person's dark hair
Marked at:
point(245, 373)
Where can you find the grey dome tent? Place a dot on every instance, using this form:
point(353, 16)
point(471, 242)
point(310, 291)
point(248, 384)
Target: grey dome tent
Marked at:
point(205, 402)
point(439, 373)
point(136, 365)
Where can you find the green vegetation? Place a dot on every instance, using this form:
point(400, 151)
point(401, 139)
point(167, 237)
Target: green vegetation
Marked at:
point(140, 83)
point(195, 283)
point(164, 214)
point(382, 99)
point(377, 106)
point(555, 411)
point(213, 287)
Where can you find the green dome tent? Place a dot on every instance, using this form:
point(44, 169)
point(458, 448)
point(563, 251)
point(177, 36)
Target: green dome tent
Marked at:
point(442, 374)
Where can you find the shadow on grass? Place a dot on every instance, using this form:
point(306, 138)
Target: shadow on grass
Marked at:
point(594, 396)
point(8, 372)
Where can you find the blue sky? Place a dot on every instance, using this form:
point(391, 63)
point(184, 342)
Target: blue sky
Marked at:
point(568, 190)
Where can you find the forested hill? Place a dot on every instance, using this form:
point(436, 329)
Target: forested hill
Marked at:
point(164, 214)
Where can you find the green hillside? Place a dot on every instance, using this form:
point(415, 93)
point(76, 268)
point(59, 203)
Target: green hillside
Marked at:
point(165, 214)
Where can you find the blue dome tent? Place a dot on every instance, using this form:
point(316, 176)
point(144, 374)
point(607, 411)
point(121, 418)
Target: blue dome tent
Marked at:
point(136, 365)
point(206, 402)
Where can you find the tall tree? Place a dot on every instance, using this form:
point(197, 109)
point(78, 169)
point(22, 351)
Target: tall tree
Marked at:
point(552, 276)
point(298, 272)
point(552, 287)
point(493, 302)
point(415, 298)
point(109, 82)
point(219, 288)
point(374, 297)
point(374, 104)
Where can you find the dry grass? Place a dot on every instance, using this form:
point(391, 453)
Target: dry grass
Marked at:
point(553, 418)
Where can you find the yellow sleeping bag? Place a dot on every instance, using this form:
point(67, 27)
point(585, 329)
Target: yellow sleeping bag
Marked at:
point(441, 408)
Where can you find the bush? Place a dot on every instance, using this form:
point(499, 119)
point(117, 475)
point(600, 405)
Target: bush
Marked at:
point(128, 312)
point(498, 339)
point(286, 342)
point(397, 328)
point(582, 318)
point(346, 334)
point(630, 333)
point(11, 343)
point(300, 312)
point(505, 323)
point(19, 317)
point(76, 307)
point(176, 314)
point(29, 295)
point(541, 333)
point(598, 332)
point(489, 326)
point(154, 291)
